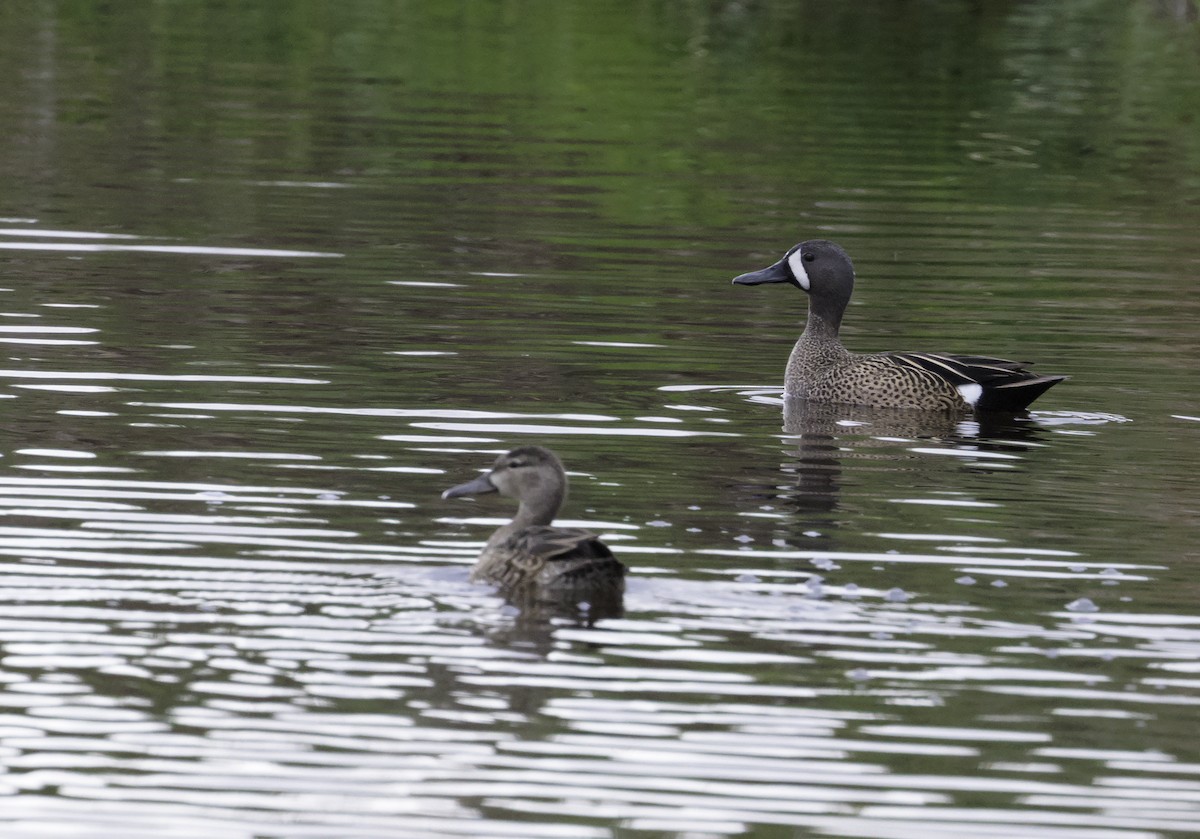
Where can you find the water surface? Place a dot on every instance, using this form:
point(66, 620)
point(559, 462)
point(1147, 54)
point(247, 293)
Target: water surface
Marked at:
point(273, 281)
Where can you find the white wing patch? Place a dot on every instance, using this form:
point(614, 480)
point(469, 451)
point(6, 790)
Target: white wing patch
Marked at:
point(970, 393)
point(796, 263)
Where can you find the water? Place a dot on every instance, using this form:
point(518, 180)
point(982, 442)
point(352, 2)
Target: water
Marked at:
point(273, 280)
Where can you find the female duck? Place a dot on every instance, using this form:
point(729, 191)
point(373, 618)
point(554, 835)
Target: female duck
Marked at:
point(822, 370)
point(529, 550)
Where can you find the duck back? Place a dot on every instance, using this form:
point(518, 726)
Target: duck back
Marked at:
point(553, 558)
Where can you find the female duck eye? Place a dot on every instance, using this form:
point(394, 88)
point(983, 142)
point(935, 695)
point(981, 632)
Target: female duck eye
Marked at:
point(809, 257)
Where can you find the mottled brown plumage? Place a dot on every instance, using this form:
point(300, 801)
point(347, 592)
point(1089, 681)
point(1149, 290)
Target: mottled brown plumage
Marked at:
point(529, 551)
point(821, 369)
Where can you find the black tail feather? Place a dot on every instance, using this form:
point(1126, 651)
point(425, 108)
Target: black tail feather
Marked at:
point(1015, 396)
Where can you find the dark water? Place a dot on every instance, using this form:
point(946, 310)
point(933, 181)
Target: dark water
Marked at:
point(275, 277)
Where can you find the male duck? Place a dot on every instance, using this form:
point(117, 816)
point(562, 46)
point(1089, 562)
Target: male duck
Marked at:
point(822, 370)
point(529, 551)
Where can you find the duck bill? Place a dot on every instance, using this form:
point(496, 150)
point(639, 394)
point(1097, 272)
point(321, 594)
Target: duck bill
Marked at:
point(479, 486)
point(777, 273)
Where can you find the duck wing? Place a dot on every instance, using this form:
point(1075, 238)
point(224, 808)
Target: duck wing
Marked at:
point(556, 557)
point(986, 383)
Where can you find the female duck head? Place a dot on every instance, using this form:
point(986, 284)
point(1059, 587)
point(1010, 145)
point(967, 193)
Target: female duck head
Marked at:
point(818, 267)
point(531, 474)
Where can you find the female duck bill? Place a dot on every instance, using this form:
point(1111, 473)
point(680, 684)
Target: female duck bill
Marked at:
point(479, 486)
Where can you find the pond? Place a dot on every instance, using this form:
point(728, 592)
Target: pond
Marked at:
point(273, 279)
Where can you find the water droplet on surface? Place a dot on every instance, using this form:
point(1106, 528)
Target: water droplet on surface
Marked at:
point(965, 580)
point(896, 595)
point(1083, 604)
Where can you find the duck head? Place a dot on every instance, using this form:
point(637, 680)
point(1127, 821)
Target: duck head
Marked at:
point(531, 474)
point(820, 268)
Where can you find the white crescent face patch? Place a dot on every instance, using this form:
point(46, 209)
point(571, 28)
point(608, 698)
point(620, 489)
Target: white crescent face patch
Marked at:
point(796, 263)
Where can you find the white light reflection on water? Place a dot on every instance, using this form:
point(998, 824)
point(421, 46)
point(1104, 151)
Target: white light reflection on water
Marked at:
point(62, 234)
point(153, 377)
point(447, 413)
point(350, 685)
point(738, 690)
point(513, 428)
point(186, 250)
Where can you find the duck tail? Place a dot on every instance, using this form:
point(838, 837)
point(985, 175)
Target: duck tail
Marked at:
point(1015, 396)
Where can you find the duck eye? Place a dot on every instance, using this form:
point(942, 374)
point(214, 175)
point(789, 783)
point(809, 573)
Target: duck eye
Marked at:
point(809, 257)
point(516, 464)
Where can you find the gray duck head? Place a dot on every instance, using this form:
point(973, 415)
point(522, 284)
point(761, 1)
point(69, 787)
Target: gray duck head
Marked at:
point(819, 268)
point(531, 474)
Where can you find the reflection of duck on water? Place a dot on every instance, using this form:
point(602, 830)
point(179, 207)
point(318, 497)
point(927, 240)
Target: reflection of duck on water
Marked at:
point(820, 369)
point(824, 434)
point(529, 558)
